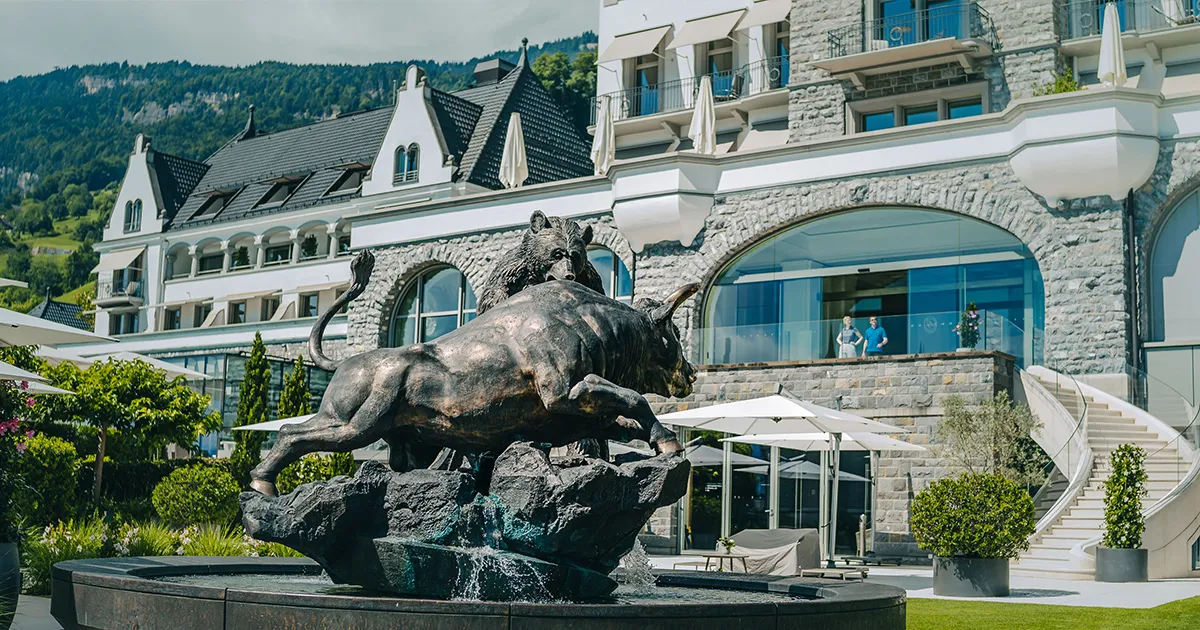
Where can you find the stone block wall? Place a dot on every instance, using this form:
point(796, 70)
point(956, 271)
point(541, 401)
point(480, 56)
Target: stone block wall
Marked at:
point(904, 391)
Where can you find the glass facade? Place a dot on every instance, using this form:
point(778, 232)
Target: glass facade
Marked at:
point(915, 270)
point(439, 301)
point(614, 275)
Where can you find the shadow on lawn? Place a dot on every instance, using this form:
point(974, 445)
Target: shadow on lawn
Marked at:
point(1035, 593)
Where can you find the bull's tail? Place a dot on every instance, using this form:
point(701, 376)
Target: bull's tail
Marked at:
point(361, 267)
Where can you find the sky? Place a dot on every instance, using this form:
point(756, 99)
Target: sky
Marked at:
point(38, 35)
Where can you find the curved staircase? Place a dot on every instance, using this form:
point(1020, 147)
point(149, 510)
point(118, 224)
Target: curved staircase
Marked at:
point(1049, 555)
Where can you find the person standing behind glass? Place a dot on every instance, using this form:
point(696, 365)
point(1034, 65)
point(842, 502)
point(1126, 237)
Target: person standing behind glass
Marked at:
point(876, 339)
point(848, 340)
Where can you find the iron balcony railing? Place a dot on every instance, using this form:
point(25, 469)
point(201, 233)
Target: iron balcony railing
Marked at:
point(1085, 18)
point(108, 289)
point(959, 21)
point(680, 94)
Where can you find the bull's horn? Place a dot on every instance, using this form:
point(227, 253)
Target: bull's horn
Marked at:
point(673, 301)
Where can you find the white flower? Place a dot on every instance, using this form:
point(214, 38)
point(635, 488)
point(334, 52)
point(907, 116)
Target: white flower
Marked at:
point(78, 547)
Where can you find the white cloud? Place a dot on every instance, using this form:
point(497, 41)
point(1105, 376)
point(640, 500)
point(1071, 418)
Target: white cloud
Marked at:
point(38, 35)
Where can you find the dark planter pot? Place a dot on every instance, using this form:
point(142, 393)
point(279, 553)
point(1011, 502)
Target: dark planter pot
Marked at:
point(970, 577)
point(1122, 565)
point(10, 583)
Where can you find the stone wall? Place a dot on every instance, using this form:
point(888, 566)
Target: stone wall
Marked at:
point(904, 391)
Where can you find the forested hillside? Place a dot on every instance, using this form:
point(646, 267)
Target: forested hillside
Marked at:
point(65, 136)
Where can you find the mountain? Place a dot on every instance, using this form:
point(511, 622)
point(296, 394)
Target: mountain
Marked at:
point(65, 136)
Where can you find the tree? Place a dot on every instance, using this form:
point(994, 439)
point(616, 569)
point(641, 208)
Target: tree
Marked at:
point(132, 398)
point(992, 438)
point(571, 83)
point(294, 400)
point(79, 266)
point(45, 275)
point(84, 300)
point(17, 265)
point(252, 409)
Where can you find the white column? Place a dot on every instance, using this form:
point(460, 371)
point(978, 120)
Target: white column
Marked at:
point(331, 230)
point(823, 504)
point(194, 252)
point(260, 252)
point(295, 247)
point(773, 490)
point(727, 489)
point(227, 259)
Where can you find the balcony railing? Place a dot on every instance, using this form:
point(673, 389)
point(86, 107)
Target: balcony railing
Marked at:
point(961, 21)
point(1085, 18)
point(680, 94)
point(109, 289)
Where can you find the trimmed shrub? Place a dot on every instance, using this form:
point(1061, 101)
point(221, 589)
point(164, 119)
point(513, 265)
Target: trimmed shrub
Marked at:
point(312, 468)
point(1123, 492)
point(196, 495)
point(48, 468)
point(128, 485)
point(70, 540)
point(973, 516)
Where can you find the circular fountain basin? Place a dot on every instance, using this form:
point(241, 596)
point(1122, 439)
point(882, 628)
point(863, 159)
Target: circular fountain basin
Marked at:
point(190, 593)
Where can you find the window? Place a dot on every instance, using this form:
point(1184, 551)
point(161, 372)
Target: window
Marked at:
point(913, 269)
point(308, 247)
point(279, 193)
point(133, 215)
point(614, 275)
point(349, 182)
point(964, 108)
point(719, 64)
point(237, 312)
point(875, 121)
point(172, 319)
point(343, 244)
point(279, 254)
point(919, 108)
point(308, 305)
point(437, 302)
point(215, 204)
point(903, 22)
point(1196, 555)
point(269, 306)
point(122, 323)
point(200, 313)
point(241, 258)
point(780, 68)
point(211, 263)
point(408, 163)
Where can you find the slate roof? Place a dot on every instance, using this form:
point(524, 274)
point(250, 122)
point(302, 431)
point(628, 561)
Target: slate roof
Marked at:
point(60, 313)
point(473, 123)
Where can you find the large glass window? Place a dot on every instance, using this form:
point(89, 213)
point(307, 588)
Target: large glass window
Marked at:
point(439, 301)
point(618, 284)
point(1173, 356)
point(914, 270)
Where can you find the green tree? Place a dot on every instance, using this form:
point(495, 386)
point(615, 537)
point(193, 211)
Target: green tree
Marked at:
point(84, 300)
point(571, 83)
point(252, 409)
point(131, 397)
point(992, 438)
point(294, 399)
point(45, 275)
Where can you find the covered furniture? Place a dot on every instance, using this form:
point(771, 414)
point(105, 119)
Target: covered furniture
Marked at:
point(778, 551)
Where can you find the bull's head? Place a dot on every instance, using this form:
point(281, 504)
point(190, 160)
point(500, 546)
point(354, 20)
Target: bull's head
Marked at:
point(670, 373)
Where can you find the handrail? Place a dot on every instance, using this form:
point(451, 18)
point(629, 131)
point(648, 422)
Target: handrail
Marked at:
point(960, 21)
point(1084, 18)
point(1086, 461)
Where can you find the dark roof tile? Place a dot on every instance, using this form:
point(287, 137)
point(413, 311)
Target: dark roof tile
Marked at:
point(60, 313)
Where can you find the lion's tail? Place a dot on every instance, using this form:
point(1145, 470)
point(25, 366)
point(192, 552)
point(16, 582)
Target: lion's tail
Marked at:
point(362, 266)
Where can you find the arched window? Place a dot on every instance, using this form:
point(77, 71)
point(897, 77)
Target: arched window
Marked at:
point(437, 302)
point(1173, 361)
point(401, 166)
point(618, 284)
point(408, 163)
point(133, 215)
point(913, 270)
point(414, 163)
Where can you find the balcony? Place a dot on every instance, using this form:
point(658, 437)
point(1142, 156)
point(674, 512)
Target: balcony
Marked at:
point(960, 33)
point(118, 293)
point(672, 96)
point(1163, 23)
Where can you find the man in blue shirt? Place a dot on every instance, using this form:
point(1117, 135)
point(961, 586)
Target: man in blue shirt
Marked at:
point(876, 339)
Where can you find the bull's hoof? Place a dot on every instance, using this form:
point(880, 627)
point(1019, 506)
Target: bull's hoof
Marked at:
point(263, 487)
point(667, 446)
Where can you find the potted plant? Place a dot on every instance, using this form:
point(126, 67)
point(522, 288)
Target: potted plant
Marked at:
point(1119, 558)
point(727, 543)
point(13, 400)
point(974, 524)
point(968, 328)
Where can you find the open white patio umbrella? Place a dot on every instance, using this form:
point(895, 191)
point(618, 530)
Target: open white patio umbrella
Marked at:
point(604, 144)
point(703, 131)
point(171, 369)
point(774, 414)
point(1112, 53)
point(617, 448)
point(802, 470)
point(6, 282)
point(42, 388)
point(274, 425)
point(514, 167)
point(821, 442)
point(703, 455)
point(9, 372)
point(54, 356)
point(19, 329)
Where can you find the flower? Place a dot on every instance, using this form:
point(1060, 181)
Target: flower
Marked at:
point(30, 433)
point(21, 447)
point(29, 401)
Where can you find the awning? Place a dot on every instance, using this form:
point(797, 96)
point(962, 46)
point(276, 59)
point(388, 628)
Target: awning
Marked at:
point(236, 297)
point(709, 29)
point(633, 45)
point(119, 259)
point(766, 12)
point(174, 303)
point(317, 288)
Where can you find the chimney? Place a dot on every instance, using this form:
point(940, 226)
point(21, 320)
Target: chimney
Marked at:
point(492, 71)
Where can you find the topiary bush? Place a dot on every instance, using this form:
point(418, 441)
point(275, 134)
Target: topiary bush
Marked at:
point(973, 516)
point(128, 485)
point(197, 495)
point(1123, 492)
point(48, 469)
point(312, 468)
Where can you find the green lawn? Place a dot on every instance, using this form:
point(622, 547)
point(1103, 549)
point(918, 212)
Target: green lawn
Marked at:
point(63, 241)
point(939, 614)
point(70, 295)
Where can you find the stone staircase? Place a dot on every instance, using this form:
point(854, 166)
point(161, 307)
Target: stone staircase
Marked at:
point(1108, 428)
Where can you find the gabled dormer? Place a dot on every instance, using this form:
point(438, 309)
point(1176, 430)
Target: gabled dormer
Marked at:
point(153, 189)
point(414, 153)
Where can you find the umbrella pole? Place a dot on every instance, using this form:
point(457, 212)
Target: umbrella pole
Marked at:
point(833, 499)
point(823, 501)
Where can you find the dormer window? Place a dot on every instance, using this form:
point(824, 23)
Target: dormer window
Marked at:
point(216, 202)
point(408, 164)
point(279, 193)
point(349, 182)
point(133, 215)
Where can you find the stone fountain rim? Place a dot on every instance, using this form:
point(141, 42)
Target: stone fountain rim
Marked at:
point(138, 575)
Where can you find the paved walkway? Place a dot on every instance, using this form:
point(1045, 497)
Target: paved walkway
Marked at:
point(918, 582)
point(33, 613)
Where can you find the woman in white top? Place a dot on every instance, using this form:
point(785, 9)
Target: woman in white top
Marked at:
point(848, 340)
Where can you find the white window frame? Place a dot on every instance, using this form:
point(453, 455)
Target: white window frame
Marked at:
point(418, 284)
point(897, 103)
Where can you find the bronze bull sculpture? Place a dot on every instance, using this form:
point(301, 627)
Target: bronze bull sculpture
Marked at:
point(555, 363)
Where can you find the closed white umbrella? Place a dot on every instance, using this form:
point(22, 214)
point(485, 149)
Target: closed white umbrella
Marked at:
point(514, 167)
point(1173, 11)
point(604, 144)
point(703, 131)
point(1112, 53)
point(171, 369)
point(821, 442)
point(19, 329)
point(275, 425)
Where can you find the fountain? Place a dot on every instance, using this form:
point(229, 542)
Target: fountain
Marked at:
point(474, 523)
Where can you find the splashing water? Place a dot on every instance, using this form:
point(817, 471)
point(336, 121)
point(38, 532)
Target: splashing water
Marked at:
point(637, 567)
